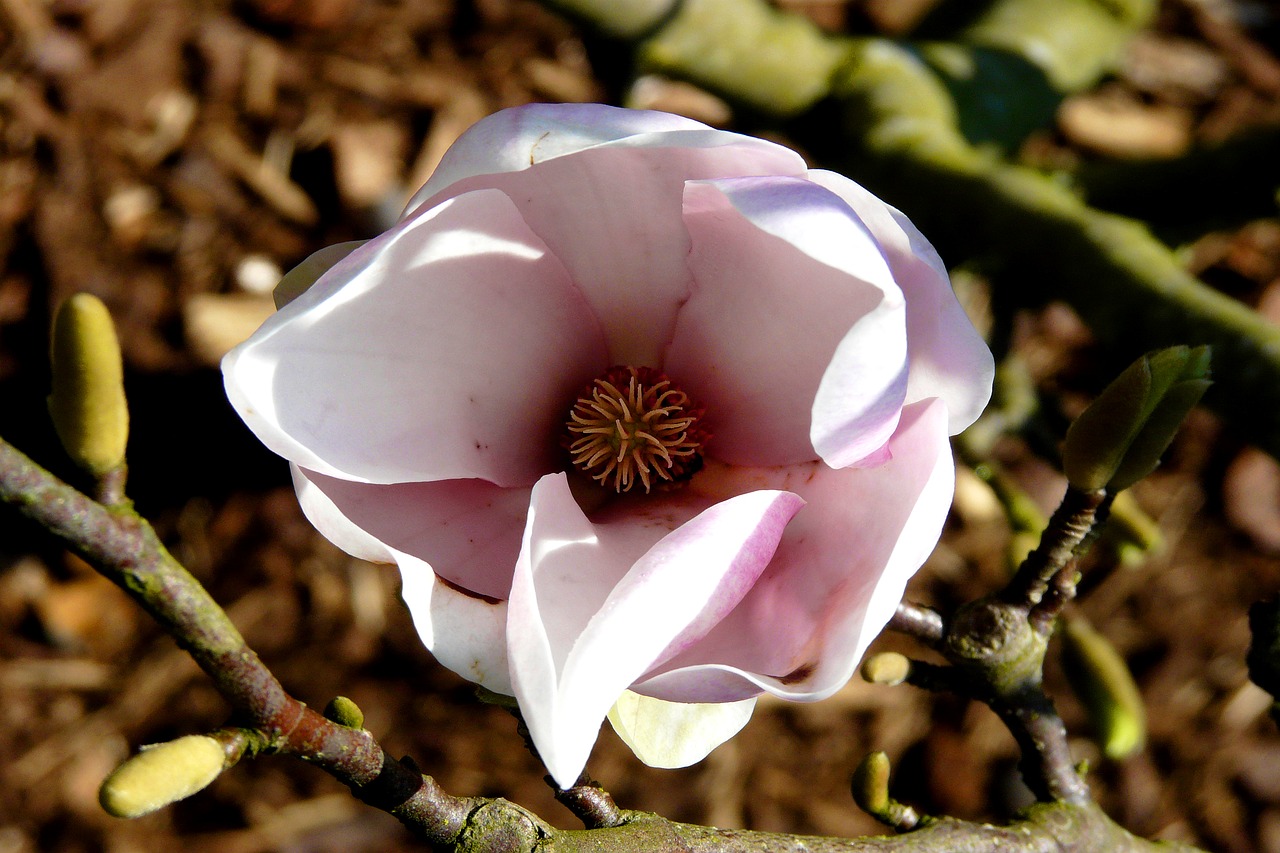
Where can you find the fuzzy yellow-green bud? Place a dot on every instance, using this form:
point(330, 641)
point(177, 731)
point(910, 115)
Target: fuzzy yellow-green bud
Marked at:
point(162, 774)
point(1101, 678)
point(1119, 438)
point(87, 402)
point(344, 712)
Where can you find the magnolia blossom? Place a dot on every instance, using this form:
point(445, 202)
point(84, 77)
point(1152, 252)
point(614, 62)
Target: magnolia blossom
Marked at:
point(651, 417)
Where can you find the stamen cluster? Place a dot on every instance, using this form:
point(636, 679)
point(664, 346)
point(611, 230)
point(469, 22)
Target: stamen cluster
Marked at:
point(630, 426)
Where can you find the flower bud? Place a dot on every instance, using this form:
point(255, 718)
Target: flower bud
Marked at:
point(1101, 678)
point(162, 774)
point(87, 402)
point(1118, 440)
point(870, 784)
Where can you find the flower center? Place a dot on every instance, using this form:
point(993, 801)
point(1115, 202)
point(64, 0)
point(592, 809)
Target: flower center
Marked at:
point(632, 425)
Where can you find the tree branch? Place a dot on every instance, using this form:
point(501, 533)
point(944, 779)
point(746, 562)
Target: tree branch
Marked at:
point(125, 549)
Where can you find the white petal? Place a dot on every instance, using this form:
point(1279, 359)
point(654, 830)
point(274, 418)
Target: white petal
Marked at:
point(514, 139)
point(299, 279)
point(605, 193)
point(468, 531)
point(447, 348)
point(836, 578)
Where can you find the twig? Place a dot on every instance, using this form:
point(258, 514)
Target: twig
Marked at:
point(124, 548)
point(923, 623)
point(1069, 530)
point(1045, 761)
point(586, 798)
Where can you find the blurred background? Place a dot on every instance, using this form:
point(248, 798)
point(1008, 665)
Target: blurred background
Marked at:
point(174, 156)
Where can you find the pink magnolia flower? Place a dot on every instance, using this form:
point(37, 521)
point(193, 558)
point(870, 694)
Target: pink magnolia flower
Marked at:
point(651, 417)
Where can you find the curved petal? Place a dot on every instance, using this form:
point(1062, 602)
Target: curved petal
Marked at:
point(468, 531)
point(465, 632)
point(794, 336)
point(838, 574)
point(449, 347)
point(514, 139)
point(607, 200)
point(594, 606)
point(675, 734)
point(948, 357)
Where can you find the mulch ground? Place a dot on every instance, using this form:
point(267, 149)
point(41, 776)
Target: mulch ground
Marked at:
point(173, 157)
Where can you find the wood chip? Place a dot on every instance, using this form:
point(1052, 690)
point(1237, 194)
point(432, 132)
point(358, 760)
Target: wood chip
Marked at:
point(1121, 128)
point(369, 160)
point(288, 199)
point(655, 92)
point(466, 108)
point(216, 322)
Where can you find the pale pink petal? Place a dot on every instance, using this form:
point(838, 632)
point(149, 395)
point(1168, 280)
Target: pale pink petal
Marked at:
point(838, 574)
point(611, 212)
point(332, 523)
point(514, 139)
point(594, 606)
point(675, 734)
point(948, 357)
point(449, 347)
point(466, 632)
point(794, 337)
point(468, 531)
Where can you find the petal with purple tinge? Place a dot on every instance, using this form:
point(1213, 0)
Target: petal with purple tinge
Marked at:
point(299, 279)
point(794, 336)
point(447, 348)
point(515, 139)
point(468, 531)
point(948, 357)
point(593, 607)
point(838, 574)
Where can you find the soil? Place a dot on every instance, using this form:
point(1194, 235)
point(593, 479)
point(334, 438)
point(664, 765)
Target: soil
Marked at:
point(173, 156)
